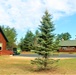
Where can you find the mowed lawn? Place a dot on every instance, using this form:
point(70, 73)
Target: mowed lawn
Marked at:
point(10, 65)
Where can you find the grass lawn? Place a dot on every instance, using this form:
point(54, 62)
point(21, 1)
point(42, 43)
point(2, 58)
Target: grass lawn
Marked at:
point(10, 65)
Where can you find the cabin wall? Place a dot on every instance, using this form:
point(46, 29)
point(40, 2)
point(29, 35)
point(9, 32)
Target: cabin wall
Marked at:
point(3, 50)
point(3, 41)
point(68, 49)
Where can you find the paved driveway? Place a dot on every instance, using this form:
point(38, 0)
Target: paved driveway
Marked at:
point(55, 56)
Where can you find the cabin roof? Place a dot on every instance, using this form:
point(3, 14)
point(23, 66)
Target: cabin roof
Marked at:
point(68, 43)
point(3, 34)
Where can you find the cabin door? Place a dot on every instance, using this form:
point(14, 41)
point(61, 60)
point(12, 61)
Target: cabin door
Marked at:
point(0, 46)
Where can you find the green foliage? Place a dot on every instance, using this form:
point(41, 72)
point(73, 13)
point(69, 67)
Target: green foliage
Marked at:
point(64, 36)
point(35, 40)
point(39, 62)
point(21, 44)
point(46, 43)
point(27, 43)
point(11, 36)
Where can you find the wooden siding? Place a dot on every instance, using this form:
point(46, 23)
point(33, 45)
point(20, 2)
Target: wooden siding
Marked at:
point(67, 49)
point(3, 51)
point(3, 41)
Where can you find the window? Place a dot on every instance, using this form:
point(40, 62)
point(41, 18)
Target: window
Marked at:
point(0, 46)
point(68, 48)
point(64, 48)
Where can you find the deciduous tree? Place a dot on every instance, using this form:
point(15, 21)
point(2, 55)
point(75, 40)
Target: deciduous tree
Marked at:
point(11, 36)
point(64, 36)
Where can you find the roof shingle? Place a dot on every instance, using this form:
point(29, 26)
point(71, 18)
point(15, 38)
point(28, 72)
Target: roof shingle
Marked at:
point(3, 34)
point(68, 43)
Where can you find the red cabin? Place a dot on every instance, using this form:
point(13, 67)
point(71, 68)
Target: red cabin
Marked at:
point(3, 42)
point(67, 46)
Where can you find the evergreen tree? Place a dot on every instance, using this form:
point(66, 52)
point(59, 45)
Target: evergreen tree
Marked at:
point(21, 44)
point(46, 42)
point(36, 38)
point(28, 41)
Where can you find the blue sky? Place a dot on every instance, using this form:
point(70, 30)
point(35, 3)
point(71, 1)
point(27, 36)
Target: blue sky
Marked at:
point(67, 24)
point(26, 14)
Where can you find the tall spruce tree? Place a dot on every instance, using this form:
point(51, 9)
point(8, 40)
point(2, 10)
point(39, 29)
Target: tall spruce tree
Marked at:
point(28, 41)
point(46, 42)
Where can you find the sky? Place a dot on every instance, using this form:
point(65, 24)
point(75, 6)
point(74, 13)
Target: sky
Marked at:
point(26, 15)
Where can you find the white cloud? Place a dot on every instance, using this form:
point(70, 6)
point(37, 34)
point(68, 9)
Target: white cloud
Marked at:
point(60, 8)
point(26, 14)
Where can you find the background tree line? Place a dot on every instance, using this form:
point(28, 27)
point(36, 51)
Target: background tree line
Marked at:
point(30, 40)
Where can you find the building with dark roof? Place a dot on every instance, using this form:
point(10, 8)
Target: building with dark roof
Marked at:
point(67, 46)
point(3, 44)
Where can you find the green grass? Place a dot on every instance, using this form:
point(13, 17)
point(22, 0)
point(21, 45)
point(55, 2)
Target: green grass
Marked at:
point(67, 66)
point(10, 65)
